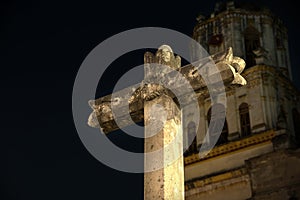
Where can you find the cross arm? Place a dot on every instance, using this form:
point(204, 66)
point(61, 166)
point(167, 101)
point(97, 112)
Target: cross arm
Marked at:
point(228, 66)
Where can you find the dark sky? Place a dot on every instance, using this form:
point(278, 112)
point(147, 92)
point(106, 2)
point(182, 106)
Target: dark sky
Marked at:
point(43, 44)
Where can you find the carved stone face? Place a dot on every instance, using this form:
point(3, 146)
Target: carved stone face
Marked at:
point(166, 54)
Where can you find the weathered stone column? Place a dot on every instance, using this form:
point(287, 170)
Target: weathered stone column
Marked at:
point(168, 181)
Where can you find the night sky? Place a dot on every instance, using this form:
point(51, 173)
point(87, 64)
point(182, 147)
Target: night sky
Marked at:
point(43, 44)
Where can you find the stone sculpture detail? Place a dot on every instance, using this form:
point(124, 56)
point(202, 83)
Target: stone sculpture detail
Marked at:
point(230, 67)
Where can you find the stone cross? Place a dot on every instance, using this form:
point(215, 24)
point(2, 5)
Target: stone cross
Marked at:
point(165, 182)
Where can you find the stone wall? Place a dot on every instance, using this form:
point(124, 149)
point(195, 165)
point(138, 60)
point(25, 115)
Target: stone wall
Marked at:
point(275, 175)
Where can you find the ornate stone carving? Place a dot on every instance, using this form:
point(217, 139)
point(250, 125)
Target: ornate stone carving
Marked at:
point(163, 56)
point(227, 65)
point(236, 65)
point(151, 91)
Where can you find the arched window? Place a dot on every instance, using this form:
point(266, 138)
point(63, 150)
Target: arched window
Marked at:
point(192, 139)
point(245, 119)
point(251, 37)
point(296, 121)
point(217, 123)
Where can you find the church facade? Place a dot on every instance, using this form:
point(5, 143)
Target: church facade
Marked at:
point(256, 155)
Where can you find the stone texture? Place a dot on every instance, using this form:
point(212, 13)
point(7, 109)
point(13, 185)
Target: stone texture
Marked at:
point(226, 162)
point(228, 69)
point(234, 188)
point(167, 180)
point(275, 175)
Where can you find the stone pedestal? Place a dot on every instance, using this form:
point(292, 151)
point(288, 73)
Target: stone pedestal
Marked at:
point(163, 150)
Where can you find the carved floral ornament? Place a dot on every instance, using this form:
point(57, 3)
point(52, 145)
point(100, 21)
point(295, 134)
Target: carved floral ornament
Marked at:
point(102, 113)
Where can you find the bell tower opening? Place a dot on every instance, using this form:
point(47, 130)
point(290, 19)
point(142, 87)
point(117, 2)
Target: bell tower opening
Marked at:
point(251, 38)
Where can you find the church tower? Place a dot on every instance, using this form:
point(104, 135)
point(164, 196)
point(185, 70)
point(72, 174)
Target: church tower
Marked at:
point(254, 33)
point(256, 154)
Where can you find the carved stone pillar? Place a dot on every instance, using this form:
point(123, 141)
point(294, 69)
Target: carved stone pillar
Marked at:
point(164, 167)
point(163, 136)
